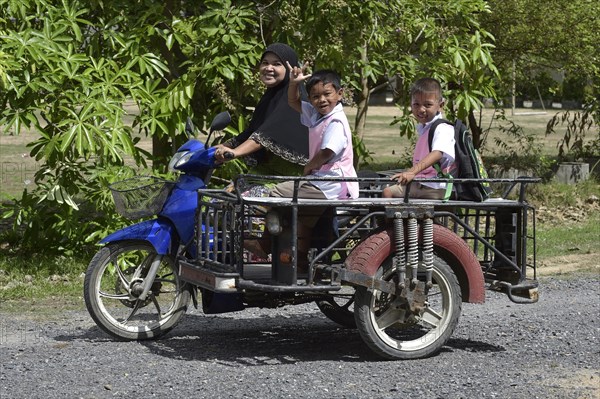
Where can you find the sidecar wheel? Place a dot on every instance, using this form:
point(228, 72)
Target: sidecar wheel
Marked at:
point(339, 307)
point(394, 331)
point(112, 286)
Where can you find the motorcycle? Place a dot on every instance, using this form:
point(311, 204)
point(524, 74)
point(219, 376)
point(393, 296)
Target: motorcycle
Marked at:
point(131, 286)
point(396, 270)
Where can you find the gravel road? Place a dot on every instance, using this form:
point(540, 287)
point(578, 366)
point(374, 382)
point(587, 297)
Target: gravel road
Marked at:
point(499, 350)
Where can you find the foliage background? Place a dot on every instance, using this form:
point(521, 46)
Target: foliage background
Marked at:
point(68, 67)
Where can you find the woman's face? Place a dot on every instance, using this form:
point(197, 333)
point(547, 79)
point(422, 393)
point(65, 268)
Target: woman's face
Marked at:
point(271, 70)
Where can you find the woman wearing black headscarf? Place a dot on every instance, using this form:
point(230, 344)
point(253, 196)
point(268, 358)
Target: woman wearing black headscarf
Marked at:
point(275, 142)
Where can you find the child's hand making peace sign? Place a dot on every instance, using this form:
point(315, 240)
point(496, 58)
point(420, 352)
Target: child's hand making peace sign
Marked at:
point(297, 74)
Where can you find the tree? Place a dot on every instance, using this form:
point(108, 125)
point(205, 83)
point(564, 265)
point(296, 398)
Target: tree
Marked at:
point(558, 35)
point(68, 67)
point(68, 70)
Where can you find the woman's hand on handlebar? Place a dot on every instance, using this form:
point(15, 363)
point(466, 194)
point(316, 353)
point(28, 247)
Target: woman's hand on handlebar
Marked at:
point(224, 153)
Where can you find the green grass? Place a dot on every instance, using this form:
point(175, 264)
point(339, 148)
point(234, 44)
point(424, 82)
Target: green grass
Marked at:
point(35, 277)
point(568, 223)
point(559, 195)
point(573, 238)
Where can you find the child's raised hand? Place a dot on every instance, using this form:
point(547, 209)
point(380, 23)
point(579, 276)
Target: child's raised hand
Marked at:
point(297, 74)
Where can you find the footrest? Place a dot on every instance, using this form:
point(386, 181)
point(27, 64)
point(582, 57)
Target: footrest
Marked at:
point(214, 281)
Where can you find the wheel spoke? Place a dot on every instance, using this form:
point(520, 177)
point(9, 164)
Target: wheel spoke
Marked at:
point(389, 317)
point(431, 318)
point(155, 302)
point(114, 296)
point(133, 311)
point(164, 280)
point(122, 276)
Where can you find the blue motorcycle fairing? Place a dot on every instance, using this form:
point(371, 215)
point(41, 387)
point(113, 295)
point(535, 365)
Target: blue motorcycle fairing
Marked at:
point(157, 232)
point(181, 206)
point(191, 145)
point(199, 160)
point(189, 183)
point(180, 209)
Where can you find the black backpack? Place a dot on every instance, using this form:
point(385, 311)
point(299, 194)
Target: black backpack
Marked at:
point(470, 165)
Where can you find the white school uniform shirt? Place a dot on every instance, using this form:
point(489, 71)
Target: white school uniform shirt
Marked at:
point(443, 141)
point(334, 139)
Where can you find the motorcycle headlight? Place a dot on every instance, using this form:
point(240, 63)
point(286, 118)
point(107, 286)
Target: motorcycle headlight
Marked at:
point(179, 159)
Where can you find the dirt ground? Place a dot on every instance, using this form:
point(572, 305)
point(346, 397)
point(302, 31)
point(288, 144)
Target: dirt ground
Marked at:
point(566, 264)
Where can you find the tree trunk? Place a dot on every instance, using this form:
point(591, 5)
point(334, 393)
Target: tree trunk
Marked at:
point(162, 147)
point(475, 130)
point(362, 105)
point(161, 152)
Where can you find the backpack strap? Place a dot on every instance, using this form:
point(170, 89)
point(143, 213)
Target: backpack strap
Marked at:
point(434, 126)
point(437, 166)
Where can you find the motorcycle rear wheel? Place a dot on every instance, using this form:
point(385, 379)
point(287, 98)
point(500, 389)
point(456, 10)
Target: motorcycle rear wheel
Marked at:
point(112, 286)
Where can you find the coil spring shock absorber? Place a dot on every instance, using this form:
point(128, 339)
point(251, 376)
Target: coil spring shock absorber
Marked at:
point(427, 229)
point(407, 245)
point(413, 248)
point(399, 260)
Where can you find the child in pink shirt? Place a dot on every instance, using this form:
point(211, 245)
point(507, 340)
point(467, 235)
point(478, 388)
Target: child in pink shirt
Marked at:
point(329, 148)
point(426, 105)
point(329, 137)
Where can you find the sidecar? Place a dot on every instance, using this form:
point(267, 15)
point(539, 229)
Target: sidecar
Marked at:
point(398, 270)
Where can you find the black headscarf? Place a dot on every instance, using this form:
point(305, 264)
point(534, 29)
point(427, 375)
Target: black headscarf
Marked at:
point(274, 124)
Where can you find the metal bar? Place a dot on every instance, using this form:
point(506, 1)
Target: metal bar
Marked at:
point(477, 222)
point(483, 240)
point(341, 238)
point(224, 232)
point(294, 237)
point(534, 245)
point(427, 229)
point(486, 252)
point(522, 232)
point(199, 224)
point(412, 261)
point(248, 284)
point(368, 281)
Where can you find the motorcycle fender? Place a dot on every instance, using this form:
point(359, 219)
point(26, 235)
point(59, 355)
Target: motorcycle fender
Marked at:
point(369, 254)
point(157, 232)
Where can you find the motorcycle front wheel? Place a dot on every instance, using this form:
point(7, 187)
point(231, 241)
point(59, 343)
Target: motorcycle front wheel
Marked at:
point(114, 281)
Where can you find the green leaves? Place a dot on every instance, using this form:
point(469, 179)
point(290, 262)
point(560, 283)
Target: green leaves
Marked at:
point(93, 80)
point(67, 74)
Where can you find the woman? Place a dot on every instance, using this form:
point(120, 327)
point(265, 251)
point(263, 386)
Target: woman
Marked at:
point(275, 143)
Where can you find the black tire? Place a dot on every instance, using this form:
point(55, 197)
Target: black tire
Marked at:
point(339, 308)
point(111, 281)
point(393, 332)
